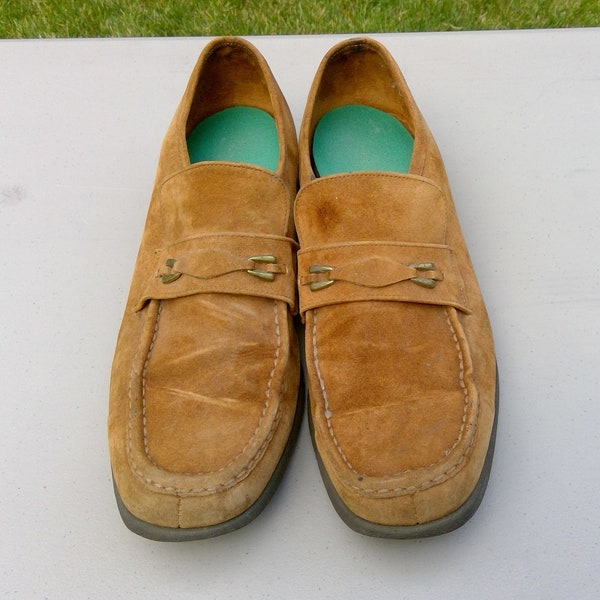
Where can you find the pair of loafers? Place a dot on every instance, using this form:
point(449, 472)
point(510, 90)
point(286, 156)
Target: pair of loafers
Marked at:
point(362, 277)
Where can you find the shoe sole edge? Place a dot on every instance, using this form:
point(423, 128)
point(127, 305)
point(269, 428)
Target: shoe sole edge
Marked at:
point(440, 526)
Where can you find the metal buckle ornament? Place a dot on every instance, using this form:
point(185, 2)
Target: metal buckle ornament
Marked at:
point(263, 258)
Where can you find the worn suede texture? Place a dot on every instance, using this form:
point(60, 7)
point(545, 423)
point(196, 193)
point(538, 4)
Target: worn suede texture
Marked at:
point(206, 370)
point(401, 377)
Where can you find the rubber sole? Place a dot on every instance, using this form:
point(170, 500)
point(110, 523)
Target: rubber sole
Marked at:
point(355, 137)
point(237, 134)
point(174, 534)
point(440, 526)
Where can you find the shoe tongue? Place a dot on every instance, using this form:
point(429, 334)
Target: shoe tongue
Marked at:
point(370, 207)
point(220, 197)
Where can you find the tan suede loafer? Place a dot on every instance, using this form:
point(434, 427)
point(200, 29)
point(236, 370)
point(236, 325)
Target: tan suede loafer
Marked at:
point(399, 354)
point(205, 379)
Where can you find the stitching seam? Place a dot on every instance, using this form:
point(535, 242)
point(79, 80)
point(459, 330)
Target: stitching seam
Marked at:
point(144, 371)
point(327, 412)
point(426, 484)
point(230, 482)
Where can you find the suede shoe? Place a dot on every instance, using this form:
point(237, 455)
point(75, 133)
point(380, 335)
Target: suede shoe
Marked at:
point(205, 379)
point(399, 356)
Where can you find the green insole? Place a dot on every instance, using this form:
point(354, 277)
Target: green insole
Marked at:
point(356, 137)
point(237, 134)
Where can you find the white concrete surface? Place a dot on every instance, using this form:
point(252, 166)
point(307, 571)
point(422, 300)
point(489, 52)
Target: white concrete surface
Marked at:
point(517, 118)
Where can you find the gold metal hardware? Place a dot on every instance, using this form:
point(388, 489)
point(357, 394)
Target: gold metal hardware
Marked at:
point(319, 269)
point(262, 274)
point(427, 282)
point(315, 286)
point(423, 281)
point(170, 277)
point(263, 258)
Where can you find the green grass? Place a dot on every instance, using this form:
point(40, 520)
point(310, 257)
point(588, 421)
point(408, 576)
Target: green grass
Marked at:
point(126, 18)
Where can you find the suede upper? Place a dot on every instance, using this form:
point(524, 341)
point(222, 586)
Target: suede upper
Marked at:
point(206, 370)
point(399, 356)
point(399, 352)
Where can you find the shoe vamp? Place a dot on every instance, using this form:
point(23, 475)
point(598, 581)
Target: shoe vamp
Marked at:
point(208, 380)
point(392, 373)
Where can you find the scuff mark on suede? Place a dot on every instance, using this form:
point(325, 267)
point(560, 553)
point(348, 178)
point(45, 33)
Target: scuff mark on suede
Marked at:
point(253, 461)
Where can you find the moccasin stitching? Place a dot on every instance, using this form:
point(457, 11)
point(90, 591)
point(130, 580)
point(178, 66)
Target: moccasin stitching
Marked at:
point(221, 487)
point(457, 466)
point(267, 396)
point(326, 412)
point(265, 405)
point(144, 371)
point(179, 509)
point(461, 459)
point(130, 411)
point(242, 474)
